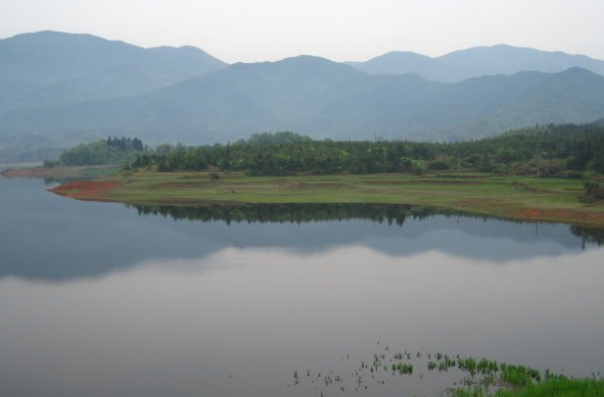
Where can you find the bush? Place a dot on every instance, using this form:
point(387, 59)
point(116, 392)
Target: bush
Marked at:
point(570, 174)
point(524, 169)
point(549, 168)
point(440, 165)
point(594, 191)
point(419, 167)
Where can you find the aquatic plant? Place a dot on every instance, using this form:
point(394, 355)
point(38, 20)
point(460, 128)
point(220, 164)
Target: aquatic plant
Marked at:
point(484, 378)
point(403, 368)
point(518, 375)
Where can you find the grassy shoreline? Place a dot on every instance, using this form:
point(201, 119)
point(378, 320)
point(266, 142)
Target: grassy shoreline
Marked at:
point(517, 197)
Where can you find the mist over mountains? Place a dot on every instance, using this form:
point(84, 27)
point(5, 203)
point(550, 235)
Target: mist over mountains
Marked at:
point(59, 89)
point(52, 68)
point(478, 61)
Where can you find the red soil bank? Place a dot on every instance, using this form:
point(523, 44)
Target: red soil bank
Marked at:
point(84, 189)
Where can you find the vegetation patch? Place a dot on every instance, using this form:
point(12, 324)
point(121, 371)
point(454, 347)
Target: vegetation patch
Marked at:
point(469, 376)
point(114, 151)
point(565, 151)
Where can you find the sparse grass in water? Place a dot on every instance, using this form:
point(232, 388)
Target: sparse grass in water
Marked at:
point(487, 378)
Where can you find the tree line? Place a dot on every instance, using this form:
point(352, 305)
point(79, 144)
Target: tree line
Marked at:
point(110, 151)
point(555, 150)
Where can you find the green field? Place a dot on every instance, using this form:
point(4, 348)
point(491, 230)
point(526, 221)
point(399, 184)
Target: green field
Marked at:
point(546, 199)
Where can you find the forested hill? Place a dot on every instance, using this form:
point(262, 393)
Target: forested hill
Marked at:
point(554, 150)
point(110, 151)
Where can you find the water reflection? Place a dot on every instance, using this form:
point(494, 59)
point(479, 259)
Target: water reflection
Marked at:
point(390, 214)
point(46, 237)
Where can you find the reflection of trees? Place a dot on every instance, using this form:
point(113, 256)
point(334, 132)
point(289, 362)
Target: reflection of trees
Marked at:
point(54, 181)
point(392, 214)
point(589, 234)
point(296, 213)
point(289, 213)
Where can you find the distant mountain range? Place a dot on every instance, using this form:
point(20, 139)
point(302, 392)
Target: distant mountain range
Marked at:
point(323, 99)
point(51, 68)
point(59, 89)
point(475, 62)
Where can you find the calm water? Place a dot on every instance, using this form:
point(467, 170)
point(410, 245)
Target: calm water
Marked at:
point(99, 299)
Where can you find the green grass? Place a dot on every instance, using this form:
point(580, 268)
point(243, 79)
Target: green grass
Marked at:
point(556, 387)
point(520, 381)
point(507, 196)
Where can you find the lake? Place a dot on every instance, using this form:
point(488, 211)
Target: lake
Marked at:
point(101, 299)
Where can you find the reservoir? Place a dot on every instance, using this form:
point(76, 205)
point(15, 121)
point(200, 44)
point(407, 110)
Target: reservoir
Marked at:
point(101, 299)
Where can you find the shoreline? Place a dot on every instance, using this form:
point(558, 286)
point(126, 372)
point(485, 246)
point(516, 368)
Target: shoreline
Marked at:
point(513, 197)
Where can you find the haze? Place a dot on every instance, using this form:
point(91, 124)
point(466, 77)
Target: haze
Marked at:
point(341, 30)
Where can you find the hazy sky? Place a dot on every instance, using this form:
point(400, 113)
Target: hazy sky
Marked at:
point(258, 30)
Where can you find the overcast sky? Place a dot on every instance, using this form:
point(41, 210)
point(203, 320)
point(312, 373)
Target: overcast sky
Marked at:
point(259, 30)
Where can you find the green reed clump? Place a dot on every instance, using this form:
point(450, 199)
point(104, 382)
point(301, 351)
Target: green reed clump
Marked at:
point(485, 366)
point(468, 364)
point(445, 363)
point(406, 369)
point(518, 375)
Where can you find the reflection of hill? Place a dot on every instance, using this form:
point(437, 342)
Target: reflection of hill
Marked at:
point(301, 213)
point(46, 237)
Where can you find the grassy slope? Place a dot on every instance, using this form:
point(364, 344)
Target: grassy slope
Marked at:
point(509, 196)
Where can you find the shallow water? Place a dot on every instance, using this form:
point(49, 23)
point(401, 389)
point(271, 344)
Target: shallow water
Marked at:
point(99, 299)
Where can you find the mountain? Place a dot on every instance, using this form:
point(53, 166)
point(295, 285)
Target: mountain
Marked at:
point(320, 98)
point(479, 61)
point(403, 62)
point(52, 68)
